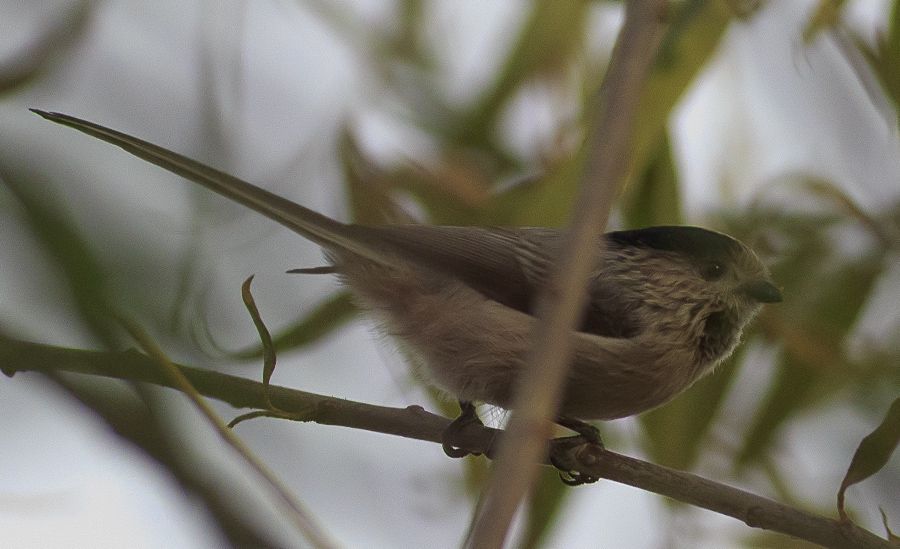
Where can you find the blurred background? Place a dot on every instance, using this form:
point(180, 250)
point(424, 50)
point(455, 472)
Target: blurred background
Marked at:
point(773, 121)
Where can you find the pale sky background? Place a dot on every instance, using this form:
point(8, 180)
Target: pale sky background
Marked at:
point(67, 482)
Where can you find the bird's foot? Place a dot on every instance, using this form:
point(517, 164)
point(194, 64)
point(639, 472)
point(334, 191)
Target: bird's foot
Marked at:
point(453, 431)
point(563, 450)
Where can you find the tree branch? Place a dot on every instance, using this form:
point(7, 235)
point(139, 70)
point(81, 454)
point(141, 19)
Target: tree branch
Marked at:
point(414, 422)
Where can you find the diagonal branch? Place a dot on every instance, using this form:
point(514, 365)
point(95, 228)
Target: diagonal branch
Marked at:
point(414, 422)
point(608, 156)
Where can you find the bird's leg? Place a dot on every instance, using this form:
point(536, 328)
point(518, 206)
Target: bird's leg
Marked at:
point(587, 434)
point(466, 417)
point(590, 433)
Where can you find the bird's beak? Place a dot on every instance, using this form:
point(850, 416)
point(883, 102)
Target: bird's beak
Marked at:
point(762, 291)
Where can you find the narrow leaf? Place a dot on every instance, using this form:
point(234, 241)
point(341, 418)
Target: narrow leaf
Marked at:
point(872, 454)
point(269, 356)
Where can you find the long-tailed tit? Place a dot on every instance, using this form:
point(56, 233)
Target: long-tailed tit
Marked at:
point(666, 304)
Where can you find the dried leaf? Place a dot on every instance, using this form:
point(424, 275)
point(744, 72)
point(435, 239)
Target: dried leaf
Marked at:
point(269, 356)
point(327, 317)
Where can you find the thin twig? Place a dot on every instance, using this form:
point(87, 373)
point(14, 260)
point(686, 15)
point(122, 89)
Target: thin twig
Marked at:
point(414, 422)
point(539, 391)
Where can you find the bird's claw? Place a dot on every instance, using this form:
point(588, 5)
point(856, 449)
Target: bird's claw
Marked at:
point(574, 478)
point(455, 452)
point(454, 430)
point(561, 455)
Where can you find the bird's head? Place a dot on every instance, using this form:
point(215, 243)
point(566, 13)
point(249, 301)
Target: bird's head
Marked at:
point(700, 283)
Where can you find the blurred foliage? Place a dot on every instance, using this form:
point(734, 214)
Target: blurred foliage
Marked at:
point(476, 177)
point(55, 39)
point(543, 507)
point(826, 15)
point(75, 257)
point(884, 58)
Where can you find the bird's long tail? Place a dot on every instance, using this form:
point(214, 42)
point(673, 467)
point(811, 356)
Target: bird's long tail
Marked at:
point(312, 225)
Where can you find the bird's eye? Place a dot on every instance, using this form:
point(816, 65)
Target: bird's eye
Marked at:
point(712, 270)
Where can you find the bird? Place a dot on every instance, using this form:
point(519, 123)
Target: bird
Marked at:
point(666, 304)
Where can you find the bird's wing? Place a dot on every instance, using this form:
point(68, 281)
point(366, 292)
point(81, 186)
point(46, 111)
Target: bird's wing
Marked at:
point(510, 266)
point(487, 259)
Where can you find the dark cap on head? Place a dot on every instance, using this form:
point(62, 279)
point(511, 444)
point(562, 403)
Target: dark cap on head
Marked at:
point(701, 245)
point(693, 242)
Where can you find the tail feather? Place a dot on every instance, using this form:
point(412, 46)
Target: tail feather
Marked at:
point(329, 269)
point(316, 227)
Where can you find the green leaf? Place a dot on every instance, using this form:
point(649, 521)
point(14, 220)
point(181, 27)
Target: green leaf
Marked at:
point(873, 453)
